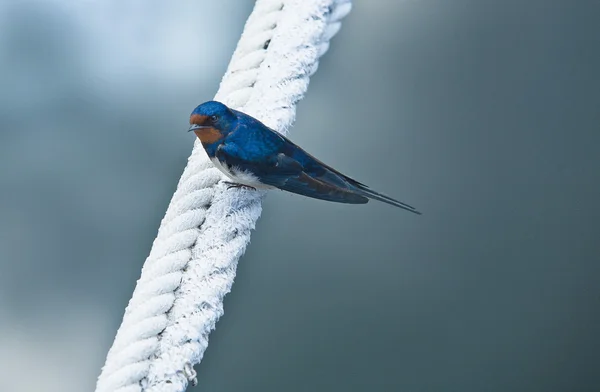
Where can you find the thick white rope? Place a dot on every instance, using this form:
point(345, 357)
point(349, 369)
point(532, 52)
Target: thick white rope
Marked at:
point(191, 267)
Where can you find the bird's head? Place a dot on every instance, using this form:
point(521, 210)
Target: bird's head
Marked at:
point(211, 121)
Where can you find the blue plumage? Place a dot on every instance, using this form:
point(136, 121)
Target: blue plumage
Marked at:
point(253, 155)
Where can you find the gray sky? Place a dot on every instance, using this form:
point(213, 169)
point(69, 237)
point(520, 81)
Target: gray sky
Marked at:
point(482, 114)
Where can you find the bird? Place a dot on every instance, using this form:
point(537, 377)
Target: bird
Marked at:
point(254, 156)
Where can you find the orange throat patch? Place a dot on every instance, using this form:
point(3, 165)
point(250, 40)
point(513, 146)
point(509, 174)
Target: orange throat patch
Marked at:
point(208, 135)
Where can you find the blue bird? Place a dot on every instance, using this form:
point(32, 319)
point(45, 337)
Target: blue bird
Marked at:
point(253, 155)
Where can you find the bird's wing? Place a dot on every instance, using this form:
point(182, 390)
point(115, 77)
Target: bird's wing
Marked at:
point(306, 185)
point(286, 173)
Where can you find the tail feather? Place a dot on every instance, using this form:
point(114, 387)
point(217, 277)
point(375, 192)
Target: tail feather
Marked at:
point(371, 194)
point(342, 188)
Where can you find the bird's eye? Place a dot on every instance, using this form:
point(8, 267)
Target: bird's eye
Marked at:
point(213, 118)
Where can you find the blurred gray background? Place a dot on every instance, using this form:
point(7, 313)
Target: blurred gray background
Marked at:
point(483, 114)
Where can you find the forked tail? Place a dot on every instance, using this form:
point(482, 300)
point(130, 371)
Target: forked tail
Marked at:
point(371, 194)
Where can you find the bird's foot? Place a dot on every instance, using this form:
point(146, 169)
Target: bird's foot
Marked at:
point(236, 185)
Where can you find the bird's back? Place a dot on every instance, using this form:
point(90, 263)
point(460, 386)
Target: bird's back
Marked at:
point(258, 140)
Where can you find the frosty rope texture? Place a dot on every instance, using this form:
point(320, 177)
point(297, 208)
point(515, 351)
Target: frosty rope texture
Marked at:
point(179, 296)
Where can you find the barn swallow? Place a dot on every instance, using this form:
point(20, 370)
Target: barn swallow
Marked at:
point(254, 156)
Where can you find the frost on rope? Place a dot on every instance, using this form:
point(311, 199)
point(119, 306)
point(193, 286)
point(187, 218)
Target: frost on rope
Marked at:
point(179, 296)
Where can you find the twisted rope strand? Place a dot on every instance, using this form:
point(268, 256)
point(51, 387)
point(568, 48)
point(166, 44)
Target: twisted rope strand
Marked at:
point(191, 267)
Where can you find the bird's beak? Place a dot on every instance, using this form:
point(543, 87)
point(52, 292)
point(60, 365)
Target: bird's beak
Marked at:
point(195, 127)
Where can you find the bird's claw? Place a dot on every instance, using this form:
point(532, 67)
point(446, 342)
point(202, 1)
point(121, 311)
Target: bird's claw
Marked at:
point(236, 185)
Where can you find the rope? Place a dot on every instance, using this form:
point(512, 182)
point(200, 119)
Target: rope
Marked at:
point(191, 267)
